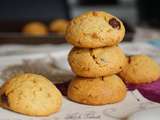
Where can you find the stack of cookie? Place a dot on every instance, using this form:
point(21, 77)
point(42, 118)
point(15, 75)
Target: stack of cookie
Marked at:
point(96, 58)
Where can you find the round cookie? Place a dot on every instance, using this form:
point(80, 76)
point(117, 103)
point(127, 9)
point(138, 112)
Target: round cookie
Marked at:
point(58, 26)
point(97, 62)
point(97, 91)
point(140, 69)
point(31, 94)
point(95, 29)
point(35, 28)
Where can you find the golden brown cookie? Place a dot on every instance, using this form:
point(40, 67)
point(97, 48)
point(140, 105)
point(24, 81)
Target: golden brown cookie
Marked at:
point(140, 69)
point(35, 28)
point(58, 26)
point(97, 62)
point(95, 29)
point(97, 91)
point(31, 94)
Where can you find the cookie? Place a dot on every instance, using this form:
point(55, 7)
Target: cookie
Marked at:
point(30, 94)
point(58, 26)
point(97, 91)
point(35, 28)
point(140, 69)
point(95, 29)
point(97, 62)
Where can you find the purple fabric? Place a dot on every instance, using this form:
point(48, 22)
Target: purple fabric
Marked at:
point(150, 91)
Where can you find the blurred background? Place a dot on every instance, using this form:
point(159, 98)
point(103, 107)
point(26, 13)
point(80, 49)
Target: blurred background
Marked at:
point(45, 20)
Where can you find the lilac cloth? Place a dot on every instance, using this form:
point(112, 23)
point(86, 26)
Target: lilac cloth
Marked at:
point(150, 91)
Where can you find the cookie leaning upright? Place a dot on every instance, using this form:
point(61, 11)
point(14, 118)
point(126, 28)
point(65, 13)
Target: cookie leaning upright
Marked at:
point(30, 94)
point(95, 29)
point(140, 69)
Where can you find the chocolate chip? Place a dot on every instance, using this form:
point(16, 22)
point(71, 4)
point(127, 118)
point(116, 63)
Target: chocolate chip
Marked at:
point(102, 78)
point(4, 99)
point(94, 57)
point(114, 23)
point(76, 87)
point(129, 59)
point(89, 95)
point(95, 13)
point(94, 35)
point(34, 81)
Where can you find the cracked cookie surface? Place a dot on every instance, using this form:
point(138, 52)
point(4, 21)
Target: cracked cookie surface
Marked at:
point(95, 29)
point(30, 94)
point(97, 91)
point(97, 62)
point(140, 69)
